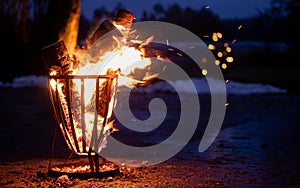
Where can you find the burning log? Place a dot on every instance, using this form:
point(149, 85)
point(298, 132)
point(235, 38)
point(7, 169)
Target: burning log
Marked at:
point(101, 102)
point(57, 59)
point(120, 24)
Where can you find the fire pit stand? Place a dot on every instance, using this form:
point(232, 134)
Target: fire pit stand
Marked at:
point(83, 123)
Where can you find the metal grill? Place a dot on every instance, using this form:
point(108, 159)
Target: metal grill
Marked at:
point(83, 136)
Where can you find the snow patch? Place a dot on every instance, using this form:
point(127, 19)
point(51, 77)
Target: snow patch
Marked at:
point(27, 81)
point(201, 85)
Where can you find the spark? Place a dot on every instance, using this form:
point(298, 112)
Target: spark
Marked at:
point(240, 27)
point(204, 72)
point(179, 54)
point(220, 54)
point(229, 59)
point(224, 66)
point(228, 49)
point(215, 37)
point(227, 81)
point(226, 104)
point(211, 47)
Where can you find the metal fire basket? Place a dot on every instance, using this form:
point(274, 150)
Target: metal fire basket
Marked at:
point(83, 136)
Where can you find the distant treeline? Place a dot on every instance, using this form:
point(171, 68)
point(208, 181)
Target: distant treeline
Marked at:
point(278, 23)
point(24, 28)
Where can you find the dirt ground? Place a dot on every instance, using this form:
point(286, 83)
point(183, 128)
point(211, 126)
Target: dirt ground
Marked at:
point(257, 147)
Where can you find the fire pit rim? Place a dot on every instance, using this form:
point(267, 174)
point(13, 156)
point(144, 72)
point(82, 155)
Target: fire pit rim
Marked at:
point(81, 76)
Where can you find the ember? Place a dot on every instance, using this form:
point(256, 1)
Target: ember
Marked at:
point(82, 168)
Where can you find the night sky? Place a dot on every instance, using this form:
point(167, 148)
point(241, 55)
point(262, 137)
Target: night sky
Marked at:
point(224, 8)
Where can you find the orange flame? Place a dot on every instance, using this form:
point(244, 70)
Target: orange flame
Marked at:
point(123, 61)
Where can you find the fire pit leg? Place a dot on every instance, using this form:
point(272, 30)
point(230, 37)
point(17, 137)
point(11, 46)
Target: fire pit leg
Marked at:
point(96, 160)
point(52, 148)
point(91, 160)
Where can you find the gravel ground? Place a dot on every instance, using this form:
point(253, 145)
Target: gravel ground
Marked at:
point(257, 147)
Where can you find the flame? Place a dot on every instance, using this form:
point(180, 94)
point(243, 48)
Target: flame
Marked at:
point(123, 61)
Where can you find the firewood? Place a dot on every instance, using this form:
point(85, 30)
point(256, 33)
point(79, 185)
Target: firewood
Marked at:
point(56, 58)
point(123, 18)
point(105, 94)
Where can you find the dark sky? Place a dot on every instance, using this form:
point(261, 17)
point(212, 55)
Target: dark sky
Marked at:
point(224, 8)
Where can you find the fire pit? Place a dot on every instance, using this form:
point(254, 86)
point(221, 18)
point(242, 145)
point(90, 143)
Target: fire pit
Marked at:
point(82, 93)
point(84, 123)
point(82, 106)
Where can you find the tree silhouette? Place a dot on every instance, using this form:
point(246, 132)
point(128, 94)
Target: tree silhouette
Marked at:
point(29, 25)
point(293, 8)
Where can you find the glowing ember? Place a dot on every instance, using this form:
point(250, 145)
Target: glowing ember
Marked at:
point(82, 168)
point(211, 47)
point(221, 50)
point(229, 59)
point(224, 66)
point(228, 49)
